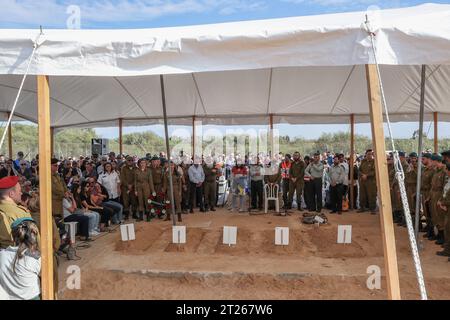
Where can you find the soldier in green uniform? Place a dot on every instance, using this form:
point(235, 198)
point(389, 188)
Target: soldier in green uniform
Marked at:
point(157, 174)
point(297, 176)
point(425, 188)
point(177, 182)
point(127, 188)
point(367, 184)
point(411, 183)
point(210, 183)
point(396, 211)
point(143, 185)
point(10, 196)
point(396, 190)
point(59, 191)
point(444, 204)
point(437, 186)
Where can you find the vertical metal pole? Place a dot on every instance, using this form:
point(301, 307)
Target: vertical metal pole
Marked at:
point(166, 130)
point(352, 160)
point(10, 145)
point(193, 138)
point(436, 145)
point(271, 134)
point(419, 153)
point(120, 136)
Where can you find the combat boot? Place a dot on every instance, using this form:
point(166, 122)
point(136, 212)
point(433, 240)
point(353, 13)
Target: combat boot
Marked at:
point(440, 238)
point(141, 216)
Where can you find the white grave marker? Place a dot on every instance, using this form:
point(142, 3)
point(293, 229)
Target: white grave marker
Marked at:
point(127, 232)
point(282, 236)
point(229, 235)
point(71, 227)
point(179, 234)
point(344, 234)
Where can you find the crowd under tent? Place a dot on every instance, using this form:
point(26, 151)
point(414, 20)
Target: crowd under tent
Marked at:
point(302, 70)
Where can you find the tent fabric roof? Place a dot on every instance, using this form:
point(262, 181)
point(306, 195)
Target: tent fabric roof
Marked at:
point(301, 70)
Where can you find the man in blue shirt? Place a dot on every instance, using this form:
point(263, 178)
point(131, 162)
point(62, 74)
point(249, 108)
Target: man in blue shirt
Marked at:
point(196, 179)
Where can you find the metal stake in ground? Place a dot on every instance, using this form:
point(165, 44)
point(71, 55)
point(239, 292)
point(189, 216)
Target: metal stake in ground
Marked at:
point(166, 131)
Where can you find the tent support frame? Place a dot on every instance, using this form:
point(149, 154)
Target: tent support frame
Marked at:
point(45, 187)
point(387, 226)
point(352, 160)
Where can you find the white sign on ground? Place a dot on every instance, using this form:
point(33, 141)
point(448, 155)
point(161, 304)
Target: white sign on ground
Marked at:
point(179, 234)
point(281, 236)
point(127, 232)
point(344, 234)
point(229, 235)
point(71, 227)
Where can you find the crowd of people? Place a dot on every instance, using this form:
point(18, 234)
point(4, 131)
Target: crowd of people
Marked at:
point(99, 192)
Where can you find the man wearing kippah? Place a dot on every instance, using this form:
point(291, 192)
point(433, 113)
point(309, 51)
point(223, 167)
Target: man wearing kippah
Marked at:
point(10, 196)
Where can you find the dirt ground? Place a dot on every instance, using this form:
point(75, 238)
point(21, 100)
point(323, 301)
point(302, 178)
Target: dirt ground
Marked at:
point(313, 266)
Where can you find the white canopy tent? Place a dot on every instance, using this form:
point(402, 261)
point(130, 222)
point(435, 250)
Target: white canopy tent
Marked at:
point(300, 70)
point(317, 69)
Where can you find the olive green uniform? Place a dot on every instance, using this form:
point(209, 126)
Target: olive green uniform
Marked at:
point(143, 184)
point(127, 187)
point(368, 187)
point(9, 212)
point(396, 189)
point(297, 172)
point(59, 190)
point(210, 186)
point(446, 202)
point(437, 187)
point(177, 182)
point(411, 187)
point(425, 189)
point(158, 177)
point(394, 200)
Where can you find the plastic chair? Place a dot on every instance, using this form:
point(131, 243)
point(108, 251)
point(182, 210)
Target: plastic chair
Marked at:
point(271, 194)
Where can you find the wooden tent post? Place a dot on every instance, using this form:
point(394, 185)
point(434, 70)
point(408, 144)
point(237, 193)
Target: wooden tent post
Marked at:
point(120, 136)
point(52, 143)
point(387, 226)
point(10, 147)
point(45, 187)
point(436, 142)
point(352, 160)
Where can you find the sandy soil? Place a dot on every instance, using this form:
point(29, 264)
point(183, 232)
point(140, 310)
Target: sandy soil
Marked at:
point(313, 266)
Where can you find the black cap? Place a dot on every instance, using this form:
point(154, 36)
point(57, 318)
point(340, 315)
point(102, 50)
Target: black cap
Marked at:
point(413, 155)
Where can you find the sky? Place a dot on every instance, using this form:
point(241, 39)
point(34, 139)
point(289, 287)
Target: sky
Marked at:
point(127, 14)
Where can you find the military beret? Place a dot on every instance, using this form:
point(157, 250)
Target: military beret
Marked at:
point(426, 155)
point(401, 154)
point(436, 157)
point(17, 222)
point(8, 182)
point(154, 158)
point(446, 153)
point(413, 155)
point(54, 161)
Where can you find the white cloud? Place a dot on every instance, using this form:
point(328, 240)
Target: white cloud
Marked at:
point(52, 13)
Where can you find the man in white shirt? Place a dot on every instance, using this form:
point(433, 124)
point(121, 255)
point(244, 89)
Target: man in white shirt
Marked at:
point(196, 179)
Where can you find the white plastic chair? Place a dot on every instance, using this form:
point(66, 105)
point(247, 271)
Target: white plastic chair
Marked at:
point(271, 194)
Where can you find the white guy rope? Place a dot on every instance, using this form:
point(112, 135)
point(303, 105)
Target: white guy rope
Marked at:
point(400, 175)
point(11, 114)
